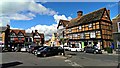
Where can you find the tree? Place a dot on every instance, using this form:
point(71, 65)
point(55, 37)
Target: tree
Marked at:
point(62, 40)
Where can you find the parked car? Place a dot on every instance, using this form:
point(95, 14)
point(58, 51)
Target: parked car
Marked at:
point(93, 50)
point(49, 51)
point(23, 49)
point(35, 48)
point(39, 49)
point(32, 48)
point(59, 50)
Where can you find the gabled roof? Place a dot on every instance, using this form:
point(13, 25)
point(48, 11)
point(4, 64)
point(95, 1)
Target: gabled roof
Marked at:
point(63, 22)
point(93, 16)
point(3, 28)
point(17, 31)
point(118, 16)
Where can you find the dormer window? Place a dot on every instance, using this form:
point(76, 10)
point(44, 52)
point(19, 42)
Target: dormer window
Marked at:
point(20, 34)
point(12, 34)
point(37, 36)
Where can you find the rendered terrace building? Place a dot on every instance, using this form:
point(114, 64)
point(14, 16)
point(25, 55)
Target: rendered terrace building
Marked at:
point(61, 29)
point(2, 35)
point(94, 27)
point(116, 30)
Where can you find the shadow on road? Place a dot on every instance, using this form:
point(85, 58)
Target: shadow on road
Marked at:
point(10, 64)
point(72, 53)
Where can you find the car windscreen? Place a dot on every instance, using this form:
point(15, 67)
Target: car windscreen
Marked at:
point(41, 48)
point(37, 47)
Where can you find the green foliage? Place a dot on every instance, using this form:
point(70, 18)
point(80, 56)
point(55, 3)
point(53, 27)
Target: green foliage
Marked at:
point(62, 40)
point(109, 50)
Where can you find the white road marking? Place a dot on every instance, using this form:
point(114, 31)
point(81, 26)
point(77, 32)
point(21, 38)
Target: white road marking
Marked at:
point(53, 57)
point(72, 63)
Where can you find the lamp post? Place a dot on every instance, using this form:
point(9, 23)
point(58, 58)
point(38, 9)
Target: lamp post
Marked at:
point(63, 41)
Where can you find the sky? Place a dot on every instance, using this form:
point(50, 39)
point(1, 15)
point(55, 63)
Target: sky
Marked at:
point(45, 16)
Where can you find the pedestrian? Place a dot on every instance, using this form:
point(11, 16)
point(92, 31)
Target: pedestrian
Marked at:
point(98, 45)
point(119, 45)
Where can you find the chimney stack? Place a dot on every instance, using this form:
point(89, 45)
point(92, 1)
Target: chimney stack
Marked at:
point(8, 26)
point(108, 11)
point(32, 32)
point(79, 14)
point(35, 31)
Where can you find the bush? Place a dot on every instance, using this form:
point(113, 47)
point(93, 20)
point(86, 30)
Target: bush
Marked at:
point(109, 50)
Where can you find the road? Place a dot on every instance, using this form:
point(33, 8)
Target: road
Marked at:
point(87, 59)
point(78, 59)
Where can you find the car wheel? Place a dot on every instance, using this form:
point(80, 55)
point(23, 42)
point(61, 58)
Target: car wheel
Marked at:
point(59, 53)
point(35, 53)
point(62, 54)
point(94, 52)
point(44, 55)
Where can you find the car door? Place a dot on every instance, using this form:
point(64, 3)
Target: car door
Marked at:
point(49, 51)
point(53, 49)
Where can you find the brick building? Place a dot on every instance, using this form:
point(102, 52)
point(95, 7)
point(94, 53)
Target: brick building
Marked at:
point(16, 38)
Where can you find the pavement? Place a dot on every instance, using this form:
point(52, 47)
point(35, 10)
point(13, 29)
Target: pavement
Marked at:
point(114, 53)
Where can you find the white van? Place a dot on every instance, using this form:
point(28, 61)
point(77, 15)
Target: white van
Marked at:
point(75, 47)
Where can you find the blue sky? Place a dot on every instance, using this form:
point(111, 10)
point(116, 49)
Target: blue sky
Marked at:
point(67, 9)
point(45, 16)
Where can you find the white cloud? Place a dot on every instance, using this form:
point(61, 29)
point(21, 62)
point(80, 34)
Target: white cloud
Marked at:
point(27, 10)
point(18, 10)
point(63, 17)
point(48, 30)
point(16, 28)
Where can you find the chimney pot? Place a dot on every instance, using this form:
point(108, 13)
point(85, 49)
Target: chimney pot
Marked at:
point(8, 26)
point(79, 13)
